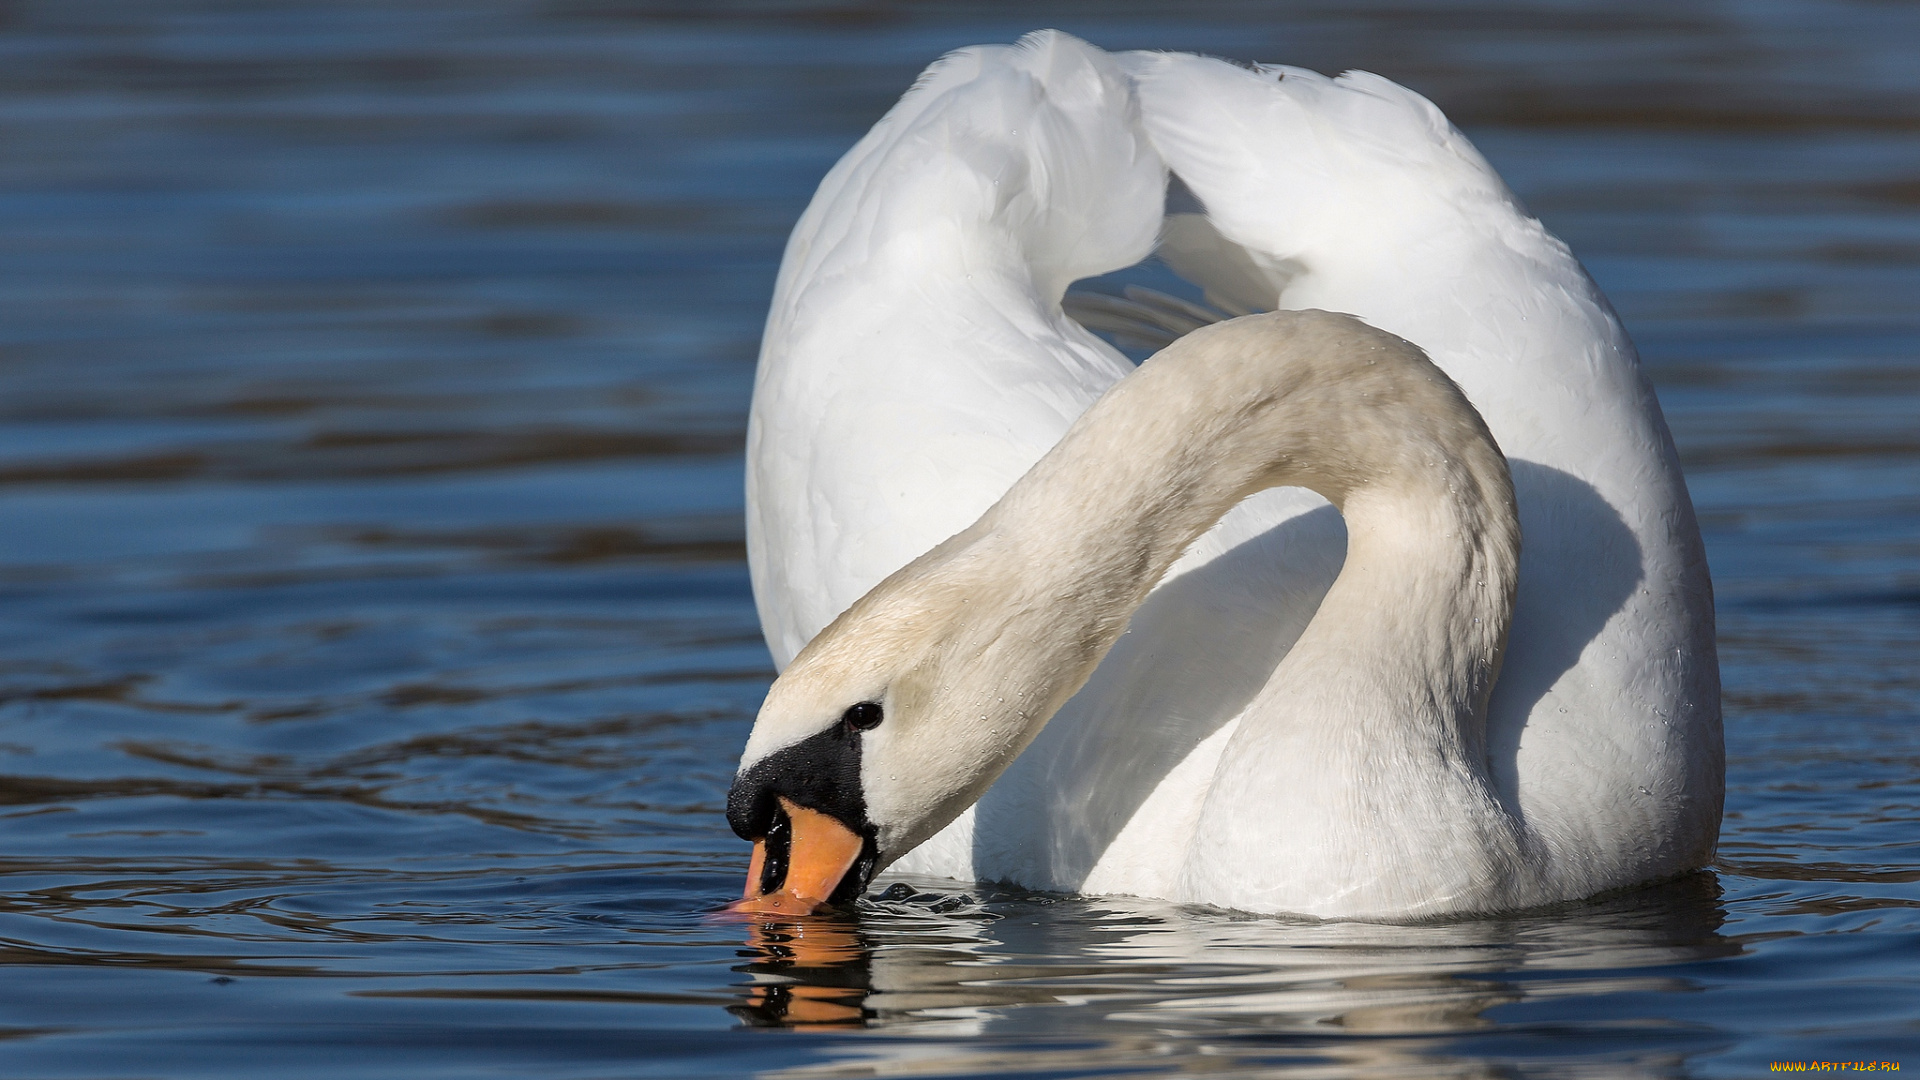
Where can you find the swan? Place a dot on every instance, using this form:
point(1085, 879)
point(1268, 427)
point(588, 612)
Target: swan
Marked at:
point(1254, 624)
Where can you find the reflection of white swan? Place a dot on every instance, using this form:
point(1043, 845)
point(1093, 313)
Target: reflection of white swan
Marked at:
point(918, 362)
point(1196, 990)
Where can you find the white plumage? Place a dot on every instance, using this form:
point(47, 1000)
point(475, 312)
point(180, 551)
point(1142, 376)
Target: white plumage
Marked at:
point(917, 363)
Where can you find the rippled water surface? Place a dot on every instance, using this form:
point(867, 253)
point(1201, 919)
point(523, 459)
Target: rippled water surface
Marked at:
point(377, 641)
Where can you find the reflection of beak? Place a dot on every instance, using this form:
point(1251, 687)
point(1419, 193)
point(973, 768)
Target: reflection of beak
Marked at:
point(819, 852)
point(821, 964)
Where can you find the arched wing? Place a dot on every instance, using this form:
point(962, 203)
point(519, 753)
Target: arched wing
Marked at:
point(916, 361)
point(1355, 194)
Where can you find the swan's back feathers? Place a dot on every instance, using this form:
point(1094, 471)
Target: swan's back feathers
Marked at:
point(916, 359)
point(1306, 173)
point(1033, 142)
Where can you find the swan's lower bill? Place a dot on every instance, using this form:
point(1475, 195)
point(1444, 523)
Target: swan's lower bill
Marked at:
point(800, 864)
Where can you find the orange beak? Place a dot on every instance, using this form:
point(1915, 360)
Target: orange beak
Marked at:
point(818, 858)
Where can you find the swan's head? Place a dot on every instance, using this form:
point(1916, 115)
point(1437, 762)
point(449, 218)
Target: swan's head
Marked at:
point(891, 722)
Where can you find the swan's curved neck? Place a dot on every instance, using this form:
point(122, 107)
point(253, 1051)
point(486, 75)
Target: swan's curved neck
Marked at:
point(999, 625)
point(1302, 399)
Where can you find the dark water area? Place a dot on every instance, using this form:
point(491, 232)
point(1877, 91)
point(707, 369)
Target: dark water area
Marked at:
point(375, 636)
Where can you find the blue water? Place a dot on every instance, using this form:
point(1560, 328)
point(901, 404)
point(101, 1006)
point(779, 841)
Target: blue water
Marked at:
point(375, 637)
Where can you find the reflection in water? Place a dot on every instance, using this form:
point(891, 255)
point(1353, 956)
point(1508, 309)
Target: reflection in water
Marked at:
point(1153, 971)
point(815, 972)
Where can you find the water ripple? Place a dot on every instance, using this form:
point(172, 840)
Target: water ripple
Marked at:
point(379, 642)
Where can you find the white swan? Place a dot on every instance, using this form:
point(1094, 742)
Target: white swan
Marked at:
point(1244, 744)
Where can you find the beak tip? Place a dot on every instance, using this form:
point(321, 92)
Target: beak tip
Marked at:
point(779, 903)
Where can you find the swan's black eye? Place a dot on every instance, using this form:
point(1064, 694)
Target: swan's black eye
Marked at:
point(863, 717)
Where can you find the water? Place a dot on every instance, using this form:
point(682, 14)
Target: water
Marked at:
point(377, 641)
